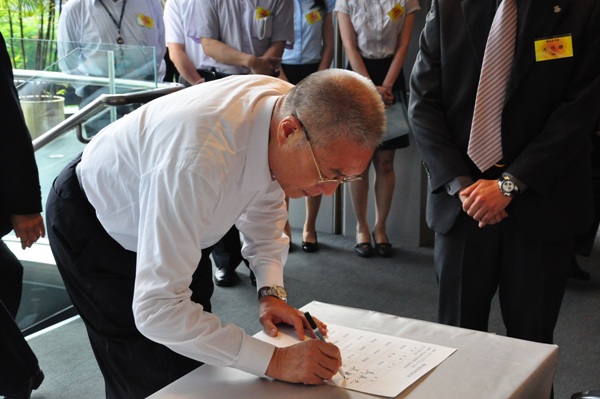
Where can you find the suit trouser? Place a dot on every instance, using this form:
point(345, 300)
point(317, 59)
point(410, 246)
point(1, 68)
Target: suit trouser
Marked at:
point(99, 274)
point(18, 363)
point(472, 263)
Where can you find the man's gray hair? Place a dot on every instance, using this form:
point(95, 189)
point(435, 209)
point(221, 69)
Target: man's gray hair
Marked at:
point(338, 104)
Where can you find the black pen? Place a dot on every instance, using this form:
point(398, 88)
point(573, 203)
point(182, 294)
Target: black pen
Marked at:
point(317, 332)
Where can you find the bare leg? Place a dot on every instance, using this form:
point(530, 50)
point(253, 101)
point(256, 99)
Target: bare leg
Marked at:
point(359, 193)
point(312, 210)
point(385, 182)
point(287, 229)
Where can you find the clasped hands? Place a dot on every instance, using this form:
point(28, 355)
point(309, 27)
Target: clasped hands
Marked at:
point(386, 95)
point(310, 362)
point(484, 202)
point(264, 65)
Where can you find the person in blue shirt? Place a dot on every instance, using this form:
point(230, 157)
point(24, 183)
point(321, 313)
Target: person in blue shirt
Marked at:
point(311, 51)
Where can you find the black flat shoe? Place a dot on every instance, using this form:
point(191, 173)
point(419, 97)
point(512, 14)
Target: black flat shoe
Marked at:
point(311, 246)
point(383, 249)
point(363, 249)
point(577, 273)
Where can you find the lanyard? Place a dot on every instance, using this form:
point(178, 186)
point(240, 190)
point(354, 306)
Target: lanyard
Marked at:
point(118, 25)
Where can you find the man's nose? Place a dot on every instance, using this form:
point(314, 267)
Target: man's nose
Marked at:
point(328, 189)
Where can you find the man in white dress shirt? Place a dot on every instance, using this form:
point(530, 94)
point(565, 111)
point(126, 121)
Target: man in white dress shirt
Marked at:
point(132, 221)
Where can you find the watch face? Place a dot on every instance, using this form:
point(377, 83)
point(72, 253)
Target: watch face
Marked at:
point(280, 292)
point(508, 186)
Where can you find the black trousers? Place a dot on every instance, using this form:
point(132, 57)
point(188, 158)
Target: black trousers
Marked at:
point(99, 276)
point(531, 276)
point(18, 363)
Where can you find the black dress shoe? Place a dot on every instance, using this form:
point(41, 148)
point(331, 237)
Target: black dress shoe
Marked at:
point(33, 383)
point(224, 277)
point(311, 246)
point(363, 249)
point(383, 249)
point(577, 273)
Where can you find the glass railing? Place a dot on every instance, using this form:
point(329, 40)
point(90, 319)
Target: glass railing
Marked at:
point(48, 97)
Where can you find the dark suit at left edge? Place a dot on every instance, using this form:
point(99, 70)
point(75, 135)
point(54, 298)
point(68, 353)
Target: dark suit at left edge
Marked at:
point(19, 194)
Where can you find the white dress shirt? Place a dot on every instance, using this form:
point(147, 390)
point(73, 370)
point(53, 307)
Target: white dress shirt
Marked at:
point(179, 19)
point(170, 179)
point(376, 24)
point(247, 26)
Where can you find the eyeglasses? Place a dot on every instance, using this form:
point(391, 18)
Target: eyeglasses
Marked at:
point(322, 180)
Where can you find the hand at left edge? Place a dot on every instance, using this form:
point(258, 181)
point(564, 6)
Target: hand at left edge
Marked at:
point(28, 228)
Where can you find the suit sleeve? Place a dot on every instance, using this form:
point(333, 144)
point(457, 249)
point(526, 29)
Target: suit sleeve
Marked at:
point(19, 181)
point(441, 156)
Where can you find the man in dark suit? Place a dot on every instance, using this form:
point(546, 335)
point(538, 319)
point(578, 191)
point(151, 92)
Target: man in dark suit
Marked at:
point(20, 207)
point(512, 226)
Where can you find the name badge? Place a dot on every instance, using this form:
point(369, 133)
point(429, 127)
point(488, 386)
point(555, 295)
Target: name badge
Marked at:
point(313, 16)
point(396, 12)
point(553, 48)
point(145, 21)
point(262, 13)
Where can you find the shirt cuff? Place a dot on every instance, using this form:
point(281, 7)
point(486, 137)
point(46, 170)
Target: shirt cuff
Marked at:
point(255, 356)
point(456, 184)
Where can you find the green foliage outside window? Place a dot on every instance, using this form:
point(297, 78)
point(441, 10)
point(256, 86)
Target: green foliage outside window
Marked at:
point(29, 29)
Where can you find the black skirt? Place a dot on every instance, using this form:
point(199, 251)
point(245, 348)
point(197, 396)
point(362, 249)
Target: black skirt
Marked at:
point(378, 69)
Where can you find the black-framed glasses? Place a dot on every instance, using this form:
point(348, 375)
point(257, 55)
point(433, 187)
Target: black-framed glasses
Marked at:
point(322, 180)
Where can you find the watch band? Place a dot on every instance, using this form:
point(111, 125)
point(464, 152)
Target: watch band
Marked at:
point(276, 290)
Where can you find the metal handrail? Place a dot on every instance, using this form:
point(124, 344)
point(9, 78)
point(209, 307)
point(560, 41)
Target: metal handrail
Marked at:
point(76, 120)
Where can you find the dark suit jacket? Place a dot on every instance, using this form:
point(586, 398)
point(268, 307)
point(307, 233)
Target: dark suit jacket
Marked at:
point(19, 181)
point(550, 109)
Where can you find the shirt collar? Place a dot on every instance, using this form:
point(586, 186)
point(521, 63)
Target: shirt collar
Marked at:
point(257, 173)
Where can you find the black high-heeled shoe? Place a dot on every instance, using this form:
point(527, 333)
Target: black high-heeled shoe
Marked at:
point(311, 246)
point(363, 249)
point(383, 249)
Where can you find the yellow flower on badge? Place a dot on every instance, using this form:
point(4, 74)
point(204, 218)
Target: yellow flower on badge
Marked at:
point(262, 13)
point(145, 21)
point(313, 16)
point(396, 12)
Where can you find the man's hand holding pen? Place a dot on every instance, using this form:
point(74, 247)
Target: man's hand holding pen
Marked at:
point(310, 362)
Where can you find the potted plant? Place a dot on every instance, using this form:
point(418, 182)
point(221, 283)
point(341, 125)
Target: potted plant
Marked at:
point(31, 27)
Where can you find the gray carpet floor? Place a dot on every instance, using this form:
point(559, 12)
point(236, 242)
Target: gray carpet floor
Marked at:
point(403, 285)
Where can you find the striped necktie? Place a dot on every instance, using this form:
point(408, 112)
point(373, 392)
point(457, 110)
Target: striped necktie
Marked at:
point(485, 142)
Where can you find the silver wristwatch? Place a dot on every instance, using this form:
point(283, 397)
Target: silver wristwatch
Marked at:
point(277, 291)
point(507, 186)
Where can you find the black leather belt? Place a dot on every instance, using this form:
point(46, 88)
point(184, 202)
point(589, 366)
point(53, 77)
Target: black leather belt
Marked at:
point(212, 74)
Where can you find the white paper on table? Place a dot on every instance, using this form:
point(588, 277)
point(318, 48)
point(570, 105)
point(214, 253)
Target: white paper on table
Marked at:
point(374, 363)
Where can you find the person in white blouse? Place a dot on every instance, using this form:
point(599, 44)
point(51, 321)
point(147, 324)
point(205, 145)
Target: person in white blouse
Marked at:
point(185, 49)
point(311, 51)
point(131, 222)
point(376, 35)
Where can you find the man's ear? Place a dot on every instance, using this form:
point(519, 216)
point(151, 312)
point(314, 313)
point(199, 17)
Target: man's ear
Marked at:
point(287, 127)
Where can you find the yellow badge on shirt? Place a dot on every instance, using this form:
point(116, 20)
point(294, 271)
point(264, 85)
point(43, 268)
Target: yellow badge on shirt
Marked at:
point(313, 16)
point(145, 21)
point(553, 48)
point(262, 13)
point(396, 12)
